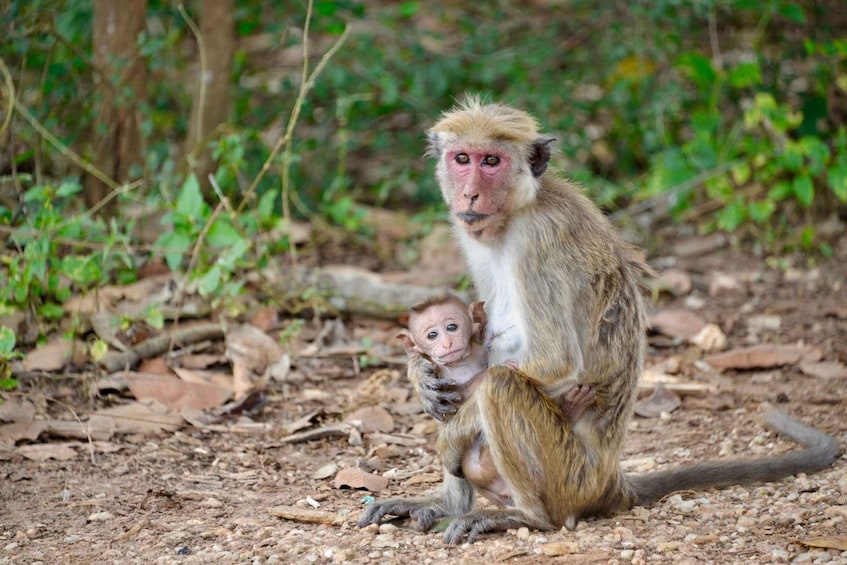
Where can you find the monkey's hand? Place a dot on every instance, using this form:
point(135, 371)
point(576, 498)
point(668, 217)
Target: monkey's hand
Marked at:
point(440, 397)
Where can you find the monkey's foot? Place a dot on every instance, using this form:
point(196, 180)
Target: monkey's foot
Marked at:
point(423, 512)
point(576, 400)
point(475, 523)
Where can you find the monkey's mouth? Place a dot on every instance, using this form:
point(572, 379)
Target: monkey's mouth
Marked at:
point(471, 218)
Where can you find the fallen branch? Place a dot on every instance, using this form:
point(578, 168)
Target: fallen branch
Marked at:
point(154, 346)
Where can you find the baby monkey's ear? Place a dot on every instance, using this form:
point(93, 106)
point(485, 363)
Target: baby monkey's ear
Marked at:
point(477, 313)
point(408, 343)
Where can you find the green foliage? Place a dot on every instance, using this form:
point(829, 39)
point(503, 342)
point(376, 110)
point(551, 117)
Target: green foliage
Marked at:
point(7, 354)
point(56, 251)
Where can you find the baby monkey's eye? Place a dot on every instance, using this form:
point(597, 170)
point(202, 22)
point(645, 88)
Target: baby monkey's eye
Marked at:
point(452, 327)
point(432, 335)
point(491, 160)
point(463, 159)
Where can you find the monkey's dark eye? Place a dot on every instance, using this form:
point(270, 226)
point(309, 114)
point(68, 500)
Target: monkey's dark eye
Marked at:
point(432, 335)
point(452, 327)
point(491, 160)
point(463, 159)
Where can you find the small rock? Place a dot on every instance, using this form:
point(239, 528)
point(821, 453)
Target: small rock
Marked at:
point(779, 556)
point(803, 558)
point(100, 517)
point(746, 522)
point(710, 338)
point(764, 322)
point(842, 483)
point(627, 554)
point(522, 533)
point(11, 547)
point(387, 528)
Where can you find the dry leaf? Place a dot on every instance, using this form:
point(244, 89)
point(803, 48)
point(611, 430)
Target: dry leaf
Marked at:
point(353, 477)
point(675, 281)
point(156, 366)
point(828, 542)
point(17, 431)
point(142, 417)
point(757, 356)
point(373, 419)
point(676, 323)
point(16, 409)
point(824, 370)
point(662, 400)
point(211, 378)
point(252, 352)
point(202, 360)
point(305, 515)
point(106, 325)
point(325, 471)
point(173, 392)
point(560, 548)
point(43, 452)
point(265, 319)
point(54, 355)
point(710, 338)
point(96, 427)
point(722, 283)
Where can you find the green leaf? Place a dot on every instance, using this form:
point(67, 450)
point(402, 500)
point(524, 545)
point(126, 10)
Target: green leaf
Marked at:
point(7, 341)
point(732, 216)
point(745, 75)
point(817, 153)
point(155, 318)
point(8, 384)
point(222, 234)
point(792, 11)
point(807, 237)
point(99, 349)
point(760, 212)
point(210, 282)
point(780, 191)
point(803, 189)
point(792, 156)
point(837, 177)
point(698, 68)
point(236, 251)
point(68, 188)
point(190, 202)
point(173, 246)
point(267, 205)
point(51, 311)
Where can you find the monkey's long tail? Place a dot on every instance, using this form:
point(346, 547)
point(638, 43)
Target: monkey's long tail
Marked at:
point(821, 450)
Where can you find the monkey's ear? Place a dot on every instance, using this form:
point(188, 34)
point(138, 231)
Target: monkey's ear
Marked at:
point(433, 144)
point(408, 343)
point(477, 312)
point(540, 155)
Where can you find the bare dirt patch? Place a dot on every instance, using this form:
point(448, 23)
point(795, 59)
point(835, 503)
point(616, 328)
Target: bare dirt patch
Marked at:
point(207, 495)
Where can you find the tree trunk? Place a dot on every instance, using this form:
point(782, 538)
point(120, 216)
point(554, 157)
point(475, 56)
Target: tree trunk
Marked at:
point(211, 101)
point(117, 141)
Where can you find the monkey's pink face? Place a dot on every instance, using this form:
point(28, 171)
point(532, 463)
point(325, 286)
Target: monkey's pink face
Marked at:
point(443, 332)
point(479, 179)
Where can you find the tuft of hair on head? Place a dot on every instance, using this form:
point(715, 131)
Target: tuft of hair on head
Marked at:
point(436, 300)
point(475, 120)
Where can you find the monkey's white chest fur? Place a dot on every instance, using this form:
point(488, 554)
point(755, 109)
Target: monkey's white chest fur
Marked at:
point(496, 280)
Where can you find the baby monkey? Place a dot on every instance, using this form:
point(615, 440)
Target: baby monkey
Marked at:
point(451, 333)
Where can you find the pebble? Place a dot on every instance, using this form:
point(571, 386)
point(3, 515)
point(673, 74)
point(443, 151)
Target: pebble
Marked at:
point(842, 483)
point(779, 556)
point(100, 516)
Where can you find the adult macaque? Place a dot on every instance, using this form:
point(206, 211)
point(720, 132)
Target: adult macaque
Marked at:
point(450, 333)
point(562, 296)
